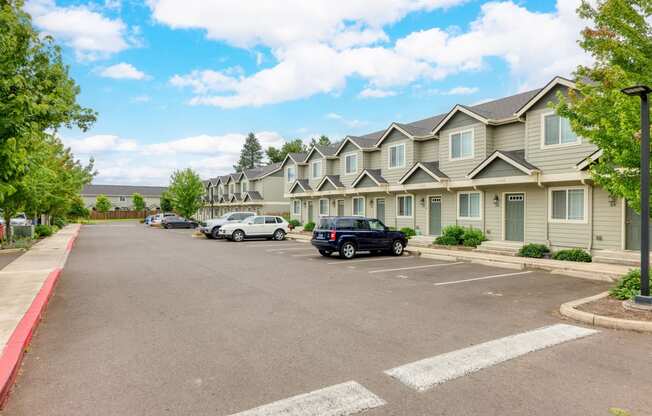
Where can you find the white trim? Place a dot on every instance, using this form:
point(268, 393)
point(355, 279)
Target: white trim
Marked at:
point(287, 169)
point(545, 114)
point(450, 145)
point(397, 205)
point(498, 155)
point(324, 179)
point(337, 205)
point(389, 156)
point(328, 207)
point(300, 207)
point(312, 169)
point(585, 213)
point(346, 140)
point(414, 168)
point(441, 204)
point(296, 182)
point(364, 173)
point(364, 206)
point(357, 163)
point(389, 130)
point(376, 199)
point(313, 149)
point(504, 221)
point(457, 206)
point(589, 160)
point(454, 111)
point(552, 84)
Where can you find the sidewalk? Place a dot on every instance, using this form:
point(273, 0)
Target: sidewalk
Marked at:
point(26, 285)
point(593, 271)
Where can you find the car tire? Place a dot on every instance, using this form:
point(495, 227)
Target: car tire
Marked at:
point(325, 253)
point(347, 250)
point(238, 236)
point(279, 235)
point(209, 236)
point(215, 233)
point(397, 248)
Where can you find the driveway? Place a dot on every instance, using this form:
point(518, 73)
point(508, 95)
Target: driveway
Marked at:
point(150, 321)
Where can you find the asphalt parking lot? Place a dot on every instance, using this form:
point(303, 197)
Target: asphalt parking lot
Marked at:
point(149, 321)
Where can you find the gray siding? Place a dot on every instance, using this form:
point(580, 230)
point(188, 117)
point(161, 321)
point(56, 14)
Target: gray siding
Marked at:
point(366, 182)
point(457, 169)
point(419, 177)
point(498, 169)
point(327, 186)
point(395, 137)
point(607, 221)
point(507, 137)
point(427, 151)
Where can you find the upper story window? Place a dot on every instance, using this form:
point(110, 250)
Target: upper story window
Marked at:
point(461, 145)
point(350, 163)
point(291, 174)
point(567, 205)
point(404, 205)
point(557, 131)
point(397, 156)
point(468, 206)
point(315, 169)
point(123, 198)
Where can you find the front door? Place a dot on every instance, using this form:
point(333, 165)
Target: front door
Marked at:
point(515, 217)
point(435, 215)
point(633, 229)
point(380, 209)
point(310, 212)
point(340, 207)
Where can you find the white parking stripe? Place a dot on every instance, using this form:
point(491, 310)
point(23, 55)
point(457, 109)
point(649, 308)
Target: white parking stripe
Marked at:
point(425, 374)
point(290, 248)
point(453, 282)
point(339, 400)
point(414, 267)
point(365, 260)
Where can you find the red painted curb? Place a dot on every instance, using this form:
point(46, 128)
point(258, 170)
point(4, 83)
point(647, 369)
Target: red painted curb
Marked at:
point(12, 355)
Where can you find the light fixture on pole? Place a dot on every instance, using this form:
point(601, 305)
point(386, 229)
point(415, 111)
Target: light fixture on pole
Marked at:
point(642, 91)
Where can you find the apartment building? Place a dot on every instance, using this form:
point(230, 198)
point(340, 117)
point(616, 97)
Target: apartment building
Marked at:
point(510, 167)
point(258, 190)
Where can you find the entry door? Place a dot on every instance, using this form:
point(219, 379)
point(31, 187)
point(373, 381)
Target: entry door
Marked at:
point(435, 215)
point(514, 217)
point(380, 209)
point(340, 208)
point(310, 212)
point(633, 230)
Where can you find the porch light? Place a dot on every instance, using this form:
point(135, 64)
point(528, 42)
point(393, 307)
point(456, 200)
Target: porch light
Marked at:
point(496, 200)
point(423, 202)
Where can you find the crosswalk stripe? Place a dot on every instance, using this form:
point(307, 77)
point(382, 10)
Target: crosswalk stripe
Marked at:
point(425, 374)
point(338, 400)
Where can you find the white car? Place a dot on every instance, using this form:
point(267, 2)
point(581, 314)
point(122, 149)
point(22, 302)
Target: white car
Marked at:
point(19, 219)
point(255, 227)
point(158, 218)
point(211, 228)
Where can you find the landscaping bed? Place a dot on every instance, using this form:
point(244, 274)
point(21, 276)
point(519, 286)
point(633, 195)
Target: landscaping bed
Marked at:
point(613, 308)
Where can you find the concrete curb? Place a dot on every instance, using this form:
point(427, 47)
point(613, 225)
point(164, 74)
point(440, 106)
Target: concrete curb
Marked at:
point(568, 310)
point(18, 343)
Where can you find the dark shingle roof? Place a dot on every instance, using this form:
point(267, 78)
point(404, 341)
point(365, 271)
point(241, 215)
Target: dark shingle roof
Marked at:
point(304, 184)
point(335, 179)
point(298, 157)
point(518, 156)
point(123, 190)
point(375, 173)
point(254, 195)
point(261, 170)
point(434, 168)
point(328, 150)
point(503, 107)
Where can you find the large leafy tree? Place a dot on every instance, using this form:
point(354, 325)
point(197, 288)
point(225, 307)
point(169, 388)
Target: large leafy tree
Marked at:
point(185, 192)
point(322, 141)
point(102, 203)
point(138, 201)
point(275, 155)
point(166, 202)
point(619, 39)
point(251, 155)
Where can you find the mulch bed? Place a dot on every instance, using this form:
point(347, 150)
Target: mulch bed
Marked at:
point(614, 308)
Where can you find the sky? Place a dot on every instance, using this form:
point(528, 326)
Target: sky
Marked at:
point(180, 83)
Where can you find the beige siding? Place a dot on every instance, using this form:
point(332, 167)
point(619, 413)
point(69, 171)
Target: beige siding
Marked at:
point(393, 175)
point(372, 160)
point(507, 137)
point(607, 221)
point(457, 169)
point(427, 151)
point(565, 235)
point(535, 212)
point(348, 179)
point(314, 158)
point(333, 167)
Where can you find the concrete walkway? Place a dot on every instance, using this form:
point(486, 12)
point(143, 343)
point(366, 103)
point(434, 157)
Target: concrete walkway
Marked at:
point(25, 287)
point(593, 271)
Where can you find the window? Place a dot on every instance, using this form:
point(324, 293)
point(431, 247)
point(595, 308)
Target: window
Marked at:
point(243, 187)
point(360, 225)
point(259, 220)
point(557, 131)
point(397, 156)
point(296, 207)
point(404, 205)
point(461, 145)
point(567, 205)
point(123, 198)
point(358, 206)
point(291, 174)
point(350, 163)
point(270, 220)
point(376, 225)
point(323, 207)
point(468, 205)
point(315, 169)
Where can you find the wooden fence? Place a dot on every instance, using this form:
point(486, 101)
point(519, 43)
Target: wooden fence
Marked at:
point(120, 215)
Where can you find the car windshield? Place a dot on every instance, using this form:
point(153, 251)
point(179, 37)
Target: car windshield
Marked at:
point(327, 223)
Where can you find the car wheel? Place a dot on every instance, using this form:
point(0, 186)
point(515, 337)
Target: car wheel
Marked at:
point(215, 232)
point(325, 253)
point(238, 236)
point(347, 251)
point(209, 236)
point(397, 247)
point(279, 235)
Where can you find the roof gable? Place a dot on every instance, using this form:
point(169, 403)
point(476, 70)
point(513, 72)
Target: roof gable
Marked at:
point(330, 181)
point(459, 109)
point(367, 175)
point(514, 158)
point(416, 172)
point(543, 92)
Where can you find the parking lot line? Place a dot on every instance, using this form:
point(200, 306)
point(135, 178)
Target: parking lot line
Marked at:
point(340, 399)
point(425, 374)
point(366, 260)
point(453, 282)
point(415, 267)
point(290, 248)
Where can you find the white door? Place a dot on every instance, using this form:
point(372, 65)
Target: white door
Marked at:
point(257, 226)
point(270, 225)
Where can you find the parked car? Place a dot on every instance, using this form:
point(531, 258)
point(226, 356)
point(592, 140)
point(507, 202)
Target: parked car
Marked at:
point(19, 219)
point(174, 221)
point(158, 218)
point(348, 235)
point(211, 228)
point(257, 226)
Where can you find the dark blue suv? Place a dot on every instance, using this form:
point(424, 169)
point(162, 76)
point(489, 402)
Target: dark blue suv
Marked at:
point(348, 235)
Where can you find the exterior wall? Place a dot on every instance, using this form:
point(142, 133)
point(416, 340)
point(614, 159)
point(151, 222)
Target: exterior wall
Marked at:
point(608, 221)
point(372, 160)
point(366, 182)
point(506, 137)
point(457, 169)
point(427, 151)
point(393, 175)
point(313, 158)
point(348, 179)
point(419, 177)
point(499, 169)
point(333, 167)
point(90, 200)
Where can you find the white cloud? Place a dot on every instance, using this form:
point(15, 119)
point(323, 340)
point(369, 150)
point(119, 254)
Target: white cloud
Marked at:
point(101, 143)
point(123, 70)
point(461, 91)
point(91, 34)
point(318, 47)
point(352, 123)
point(376, 93)
point(333, 116)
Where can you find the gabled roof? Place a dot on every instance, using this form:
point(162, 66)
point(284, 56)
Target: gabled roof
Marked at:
point(301, 183)
point(252, 196)
point(542, 92)
point(333, 179)
point(123, 190)
point(410, 130)
point(515, 158)
point(367, 142)
point(328, 151)
point(431, 168)
point(235, 197)
point(262, 171)
point(589, 160)
point(373, 174)
point(298, 158)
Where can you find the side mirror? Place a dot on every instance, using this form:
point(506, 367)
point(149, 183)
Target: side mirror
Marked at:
point(386, 229)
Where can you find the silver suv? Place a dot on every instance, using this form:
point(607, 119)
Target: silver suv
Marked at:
point(211, 228)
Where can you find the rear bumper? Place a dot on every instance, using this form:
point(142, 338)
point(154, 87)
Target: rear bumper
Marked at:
point(324, 244)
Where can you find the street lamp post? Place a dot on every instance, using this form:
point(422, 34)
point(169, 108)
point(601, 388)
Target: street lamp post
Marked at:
point(643, 91)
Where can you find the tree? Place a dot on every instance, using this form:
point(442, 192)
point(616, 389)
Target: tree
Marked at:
point(251, 155)
point(138, 201)
point(166, 202)
point(322, 141)
point(186, 190)
point(102, 203)
point(275, 155)
point(619, 41)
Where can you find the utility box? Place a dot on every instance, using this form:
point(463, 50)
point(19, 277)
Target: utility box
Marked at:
point(22, 231)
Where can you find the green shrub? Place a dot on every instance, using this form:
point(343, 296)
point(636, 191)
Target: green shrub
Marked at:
point(294, 223)
point(628, 286)
point(473, 237)
point(446, 240)
point(409, 232)
point(43, 230)
point(575, 254)
point(536, 251)
point(59, 222)
point(455, 232)
point(309, 226)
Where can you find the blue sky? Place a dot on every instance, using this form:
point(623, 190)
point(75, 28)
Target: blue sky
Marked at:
point(179, 83)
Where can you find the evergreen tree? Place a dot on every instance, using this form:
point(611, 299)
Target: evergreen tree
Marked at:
point(251, 155)
point(322, 141)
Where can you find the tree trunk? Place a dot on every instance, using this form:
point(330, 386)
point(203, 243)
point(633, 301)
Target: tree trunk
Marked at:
point(8, 236)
